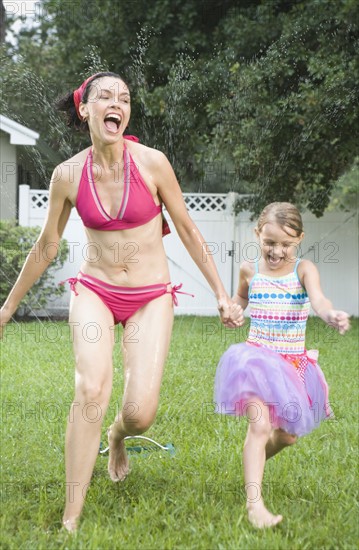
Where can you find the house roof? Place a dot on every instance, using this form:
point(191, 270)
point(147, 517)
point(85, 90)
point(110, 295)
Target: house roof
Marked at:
point(19, 134)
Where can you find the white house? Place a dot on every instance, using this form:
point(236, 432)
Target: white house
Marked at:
point(12, 134)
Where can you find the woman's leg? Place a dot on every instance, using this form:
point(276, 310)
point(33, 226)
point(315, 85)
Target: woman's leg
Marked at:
point(93, 339)
point(146, 341)
point(254, 457)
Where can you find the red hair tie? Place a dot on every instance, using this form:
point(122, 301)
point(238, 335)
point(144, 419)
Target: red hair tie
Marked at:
point(80, 92)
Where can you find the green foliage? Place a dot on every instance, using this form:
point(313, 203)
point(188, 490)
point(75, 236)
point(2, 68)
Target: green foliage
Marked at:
point(15, 244)
point(345, 195)
point(256, 97)
point(290, 116)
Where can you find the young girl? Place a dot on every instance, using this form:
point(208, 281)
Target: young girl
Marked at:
point(272, 379)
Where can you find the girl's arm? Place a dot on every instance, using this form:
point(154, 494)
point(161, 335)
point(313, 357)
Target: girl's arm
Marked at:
point(246, 273)
point(170, 192)
point(45, 248)
point(310, 279)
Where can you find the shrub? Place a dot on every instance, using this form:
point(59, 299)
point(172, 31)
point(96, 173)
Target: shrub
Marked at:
point(15, 244)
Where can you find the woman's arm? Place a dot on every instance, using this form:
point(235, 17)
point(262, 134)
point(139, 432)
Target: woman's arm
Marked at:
point(310, 279)
point(170, 192)
point(45, 249)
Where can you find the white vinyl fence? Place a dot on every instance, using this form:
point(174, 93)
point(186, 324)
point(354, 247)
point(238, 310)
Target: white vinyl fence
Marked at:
point(331, 242)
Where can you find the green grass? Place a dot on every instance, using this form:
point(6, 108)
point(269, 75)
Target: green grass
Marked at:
point(193, 500)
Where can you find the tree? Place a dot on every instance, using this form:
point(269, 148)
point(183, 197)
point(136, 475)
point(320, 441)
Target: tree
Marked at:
point(290, 115)
point(257, 97)
point(2, 23)
point(345, 194)
point(72, 40)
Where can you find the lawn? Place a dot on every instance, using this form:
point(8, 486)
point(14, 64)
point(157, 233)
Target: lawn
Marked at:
point(193, 499)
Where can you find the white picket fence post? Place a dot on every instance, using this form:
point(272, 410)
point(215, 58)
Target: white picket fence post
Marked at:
point(24, 205)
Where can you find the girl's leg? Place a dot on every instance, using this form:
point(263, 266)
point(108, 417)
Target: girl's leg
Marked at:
point(254, 457)
point(90, 322)
point(278, 440)
point(146, 340)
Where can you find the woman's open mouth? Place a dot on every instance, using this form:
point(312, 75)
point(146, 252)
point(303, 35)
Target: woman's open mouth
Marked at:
point(113, 122)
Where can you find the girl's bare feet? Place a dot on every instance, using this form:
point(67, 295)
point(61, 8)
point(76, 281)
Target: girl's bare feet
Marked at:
point(260, 517)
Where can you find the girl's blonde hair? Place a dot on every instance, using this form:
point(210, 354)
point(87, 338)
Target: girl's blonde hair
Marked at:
point(282, 213)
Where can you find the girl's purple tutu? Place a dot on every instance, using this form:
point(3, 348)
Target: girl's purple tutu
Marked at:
point(247, 371)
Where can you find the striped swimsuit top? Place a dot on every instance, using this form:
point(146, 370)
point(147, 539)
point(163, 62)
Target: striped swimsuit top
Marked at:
point(279, 312)
point(137, 205)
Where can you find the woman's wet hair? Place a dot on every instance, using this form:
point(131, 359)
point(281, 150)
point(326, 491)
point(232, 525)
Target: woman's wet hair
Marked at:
point(67, 105)
point(284, 214)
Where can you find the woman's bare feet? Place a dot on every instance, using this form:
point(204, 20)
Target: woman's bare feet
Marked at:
point(260, 517)
point(118, 464)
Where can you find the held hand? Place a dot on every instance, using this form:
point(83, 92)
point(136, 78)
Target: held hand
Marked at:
point(231, 313)
point(338, 320)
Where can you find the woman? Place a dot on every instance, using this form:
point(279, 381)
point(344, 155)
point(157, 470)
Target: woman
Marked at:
point(117, 186)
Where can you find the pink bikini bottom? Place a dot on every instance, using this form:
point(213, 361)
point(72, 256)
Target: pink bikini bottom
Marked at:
point(124, 301)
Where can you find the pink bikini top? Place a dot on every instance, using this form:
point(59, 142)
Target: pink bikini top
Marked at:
point(137, 207)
